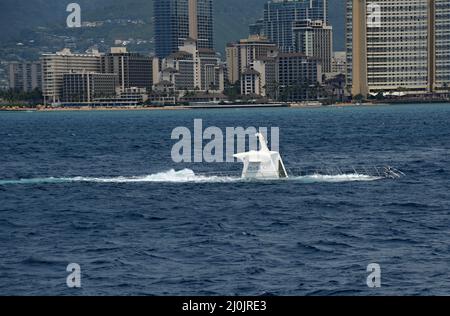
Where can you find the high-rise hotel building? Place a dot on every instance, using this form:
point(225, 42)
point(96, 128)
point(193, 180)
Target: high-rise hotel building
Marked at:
point(314, 39)
point(25, 76)
point(299, 26)
point(281, 15)
point(442, 42)
point(177, 20)
point(398, 44)
point(55, 66)
point(134, 70)
point(242, 55)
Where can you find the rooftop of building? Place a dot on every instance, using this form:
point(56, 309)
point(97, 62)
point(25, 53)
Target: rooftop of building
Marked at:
point(252, 39)
point(312, 24)
point(118, 50)
point(67, 52)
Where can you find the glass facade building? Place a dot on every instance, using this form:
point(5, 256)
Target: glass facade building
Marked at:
point(280, 15)
point(177, 20)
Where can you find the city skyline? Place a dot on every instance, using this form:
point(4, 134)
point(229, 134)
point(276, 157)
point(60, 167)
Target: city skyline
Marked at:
point(395, 56)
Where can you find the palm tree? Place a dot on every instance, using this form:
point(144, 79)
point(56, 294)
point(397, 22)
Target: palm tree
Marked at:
point(214, 87)
point(318, 90)
point(284, 93)
point(275, 91)
point(358, 98)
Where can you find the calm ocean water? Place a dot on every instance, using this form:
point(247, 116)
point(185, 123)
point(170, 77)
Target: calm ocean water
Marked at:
point(96, 188)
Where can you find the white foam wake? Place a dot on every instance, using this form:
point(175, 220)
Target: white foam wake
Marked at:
point(188, 176)
point(185, 175)
point(337, 178)
point(181, 176)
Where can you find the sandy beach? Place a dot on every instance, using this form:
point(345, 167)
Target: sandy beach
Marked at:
point(150, 108)
point(178, 107)
point(90, 108)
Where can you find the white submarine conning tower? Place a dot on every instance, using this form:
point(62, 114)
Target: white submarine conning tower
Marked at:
point(262, 164)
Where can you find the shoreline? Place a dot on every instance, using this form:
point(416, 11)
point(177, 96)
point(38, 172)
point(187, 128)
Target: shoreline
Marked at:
point(194, 107)
point(89, 108)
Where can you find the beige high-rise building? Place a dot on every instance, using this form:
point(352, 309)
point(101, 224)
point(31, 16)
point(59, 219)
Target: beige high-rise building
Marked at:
point(25, 76)
point(314, 39)
point(442, 44)
point(241, 55)
point(54, 66)
point(398, 45)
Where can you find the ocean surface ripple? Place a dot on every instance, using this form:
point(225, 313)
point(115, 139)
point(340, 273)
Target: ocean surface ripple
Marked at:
point(100, 189)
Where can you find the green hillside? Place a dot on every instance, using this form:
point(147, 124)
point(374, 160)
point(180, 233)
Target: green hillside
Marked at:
point(43, 22)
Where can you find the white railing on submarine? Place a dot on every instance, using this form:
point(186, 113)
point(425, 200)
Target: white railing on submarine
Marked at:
point(387, 172)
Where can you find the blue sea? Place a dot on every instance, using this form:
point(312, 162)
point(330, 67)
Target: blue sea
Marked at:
point(100, 189)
